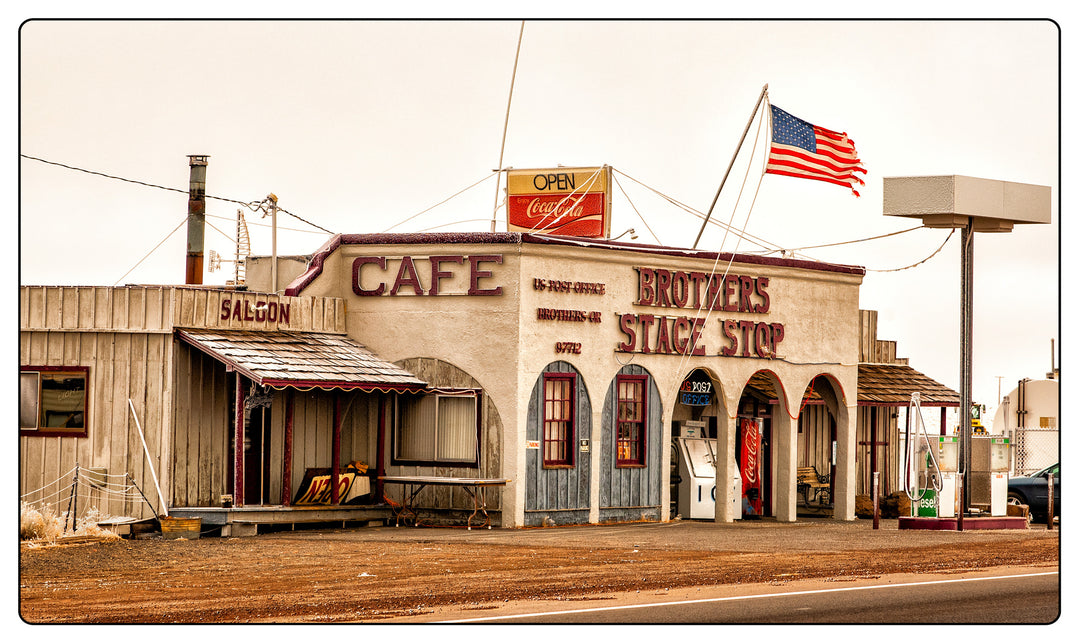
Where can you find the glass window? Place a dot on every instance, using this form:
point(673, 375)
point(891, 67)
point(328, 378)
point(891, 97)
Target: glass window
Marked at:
point(558, 441)
point(437, 429)
point(29, 382)
point(630, 427)
point(53, 400)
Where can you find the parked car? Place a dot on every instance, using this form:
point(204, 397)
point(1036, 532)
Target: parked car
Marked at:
point(1032, 491)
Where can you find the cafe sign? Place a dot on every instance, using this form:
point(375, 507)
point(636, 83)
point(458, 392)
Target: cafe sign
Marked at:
point(560, 201)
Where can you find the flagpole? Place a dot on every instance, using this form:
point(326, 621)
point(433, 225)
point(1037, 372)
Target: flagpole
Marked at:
point(724, 180)
point(502, 148)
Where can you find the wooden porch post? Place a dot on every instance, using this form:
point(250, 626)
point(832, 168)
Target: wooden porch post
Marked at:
point(238, 444)
point(335, 451)
point(286, 455)
point(873, 441)
point(380, 446)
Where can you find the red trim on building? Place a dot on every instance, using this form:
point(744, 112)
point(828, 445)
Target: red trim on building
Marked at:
point(315, 266)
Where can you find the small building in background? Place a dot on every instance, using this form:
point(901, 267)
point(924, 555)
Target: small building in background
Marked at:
point(1029, 414)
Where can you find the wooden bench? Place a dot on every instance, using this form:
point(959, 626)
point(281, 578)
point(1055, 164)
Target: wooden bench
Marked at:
point(812, 485)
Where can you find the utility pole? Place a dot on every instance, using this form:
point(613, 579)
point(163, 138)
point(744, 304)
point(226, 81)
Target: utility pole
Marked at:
point(272, 198)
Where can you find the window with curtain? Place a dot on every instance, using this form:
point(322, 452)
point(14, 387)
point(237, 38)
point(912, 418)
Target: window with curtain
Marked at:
point(53, 401)
point(630, 430)
point(437, 429)
point(558, 440)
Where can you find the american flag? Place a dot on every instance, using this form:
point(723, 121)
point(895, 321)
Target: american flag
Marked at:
point(801, 149)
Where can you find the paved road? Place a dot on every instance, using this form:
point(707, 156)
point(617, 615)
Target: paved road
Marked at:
point(1007, 596)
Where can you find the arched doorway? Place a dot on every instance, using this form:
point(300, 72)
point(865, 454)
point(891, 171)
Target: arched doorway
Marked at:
point(760, 420)
point(817, 447)
point(695, 452)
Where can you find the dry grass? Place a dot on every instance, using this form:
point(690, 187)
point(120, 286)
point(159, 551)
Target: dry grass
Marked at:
point(41, 524)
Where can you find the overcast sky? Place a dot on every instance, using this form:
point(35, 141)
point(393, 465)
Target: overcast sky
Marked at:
point(359, 126)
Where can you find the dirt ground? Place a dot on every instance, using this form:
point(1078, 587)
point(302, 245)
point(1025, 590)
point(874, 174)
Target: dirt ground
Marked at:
point(377, 573)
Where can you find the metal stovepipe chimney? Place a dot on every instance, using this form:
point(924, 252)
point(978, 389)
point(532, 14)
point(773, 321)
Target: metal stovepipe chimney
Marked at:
point(196, 222)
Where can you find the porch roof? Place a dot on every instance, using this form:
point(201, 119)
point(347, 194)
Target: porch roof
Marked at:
point(880, 385)
point(891, 385)
point(302, 360)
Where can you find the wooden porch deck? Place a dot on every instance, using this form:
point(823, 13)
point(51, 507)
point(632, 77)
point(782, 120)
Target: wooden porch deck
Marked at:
point(245, 521)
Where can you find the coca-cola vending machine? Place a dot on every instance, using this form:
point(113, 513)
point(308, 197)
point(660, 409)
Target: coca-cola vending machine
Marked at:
point(750, 465)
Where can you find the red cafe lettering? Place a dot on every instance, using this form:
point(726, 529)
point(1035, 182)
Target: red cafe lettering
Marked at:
point(412, 281)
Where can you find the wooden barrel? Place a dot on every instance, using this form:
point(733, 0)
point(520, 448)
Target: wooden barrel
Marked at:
point(180, 527)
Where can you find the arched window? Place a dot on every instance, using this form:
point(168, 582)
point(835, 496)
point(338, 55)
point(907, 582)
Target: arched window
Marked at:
point(558, 436)
point(631, 426)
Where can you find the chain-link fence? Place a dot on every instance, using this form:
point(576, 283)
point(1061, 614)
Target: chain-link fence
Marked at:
point(1033, 449)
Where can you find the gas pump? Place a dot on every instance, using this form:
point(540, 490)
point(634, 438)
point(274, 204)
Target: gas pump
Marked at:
point(949, 464)
point(922, 474)
point(990, 473)
point(999, 475)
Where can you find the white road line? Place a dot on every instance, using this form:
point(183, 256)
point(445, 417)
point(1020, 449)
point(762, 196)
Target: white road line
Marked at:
point(739, 597)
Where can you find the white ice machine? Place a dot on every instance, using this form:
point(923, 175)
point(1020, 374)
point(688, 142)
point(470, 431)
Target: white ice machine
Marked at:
point(697, 479)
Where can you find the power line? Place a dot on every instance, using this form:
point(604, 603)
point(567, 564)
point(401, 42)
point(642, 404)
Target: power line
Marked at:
point(182, 222)
point(255, 223)
point(765, 244)
point(247, 204)
point(904, 268)
point(255, 206)
point(469, 187)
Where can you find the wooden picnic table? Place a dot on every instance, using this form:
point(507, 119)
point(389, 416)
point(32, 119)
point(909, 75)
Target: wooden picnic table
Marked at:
point(474, 487)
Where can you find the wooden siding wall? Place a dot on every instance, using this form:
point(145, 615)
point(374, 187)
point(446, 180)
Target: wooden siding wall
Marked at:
point(888, 456)
point(438, 373)
point(815, 443)
point(94, 308)
point(125, 336)
point(313, 434)
point(162, 308)
point(123, 366)
point(201, 308)
point(629, 493)
point(121, 334)
point(202, 426)
point(870, 348)
point(561, 492)
point(877, 351)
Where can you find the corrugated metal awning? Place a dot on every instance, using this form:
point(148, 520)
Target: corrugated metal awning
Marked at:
point(302, 360)
point(891, 385)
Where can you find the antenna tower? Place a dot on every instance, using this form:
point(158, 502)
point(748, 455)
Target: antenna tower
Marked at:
point(243, 247)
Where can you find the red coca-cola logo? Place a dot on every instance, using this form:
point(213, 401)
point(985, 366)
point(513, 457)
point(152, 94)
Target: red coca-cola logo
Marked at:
point(564, 214)
point(750, 453)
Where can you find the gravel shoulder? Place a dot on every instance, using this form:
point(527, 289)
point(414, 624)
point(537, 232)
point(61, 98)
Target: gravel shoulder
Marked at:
point(383, 573)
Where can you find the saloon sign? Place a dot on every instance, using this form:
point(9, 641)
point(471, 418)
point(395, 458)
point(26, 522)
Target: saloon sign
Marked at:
point(562, 201)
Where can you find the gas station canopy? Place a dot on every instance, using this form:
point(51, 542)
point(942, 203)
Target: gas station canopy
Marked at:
point(948, 201)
